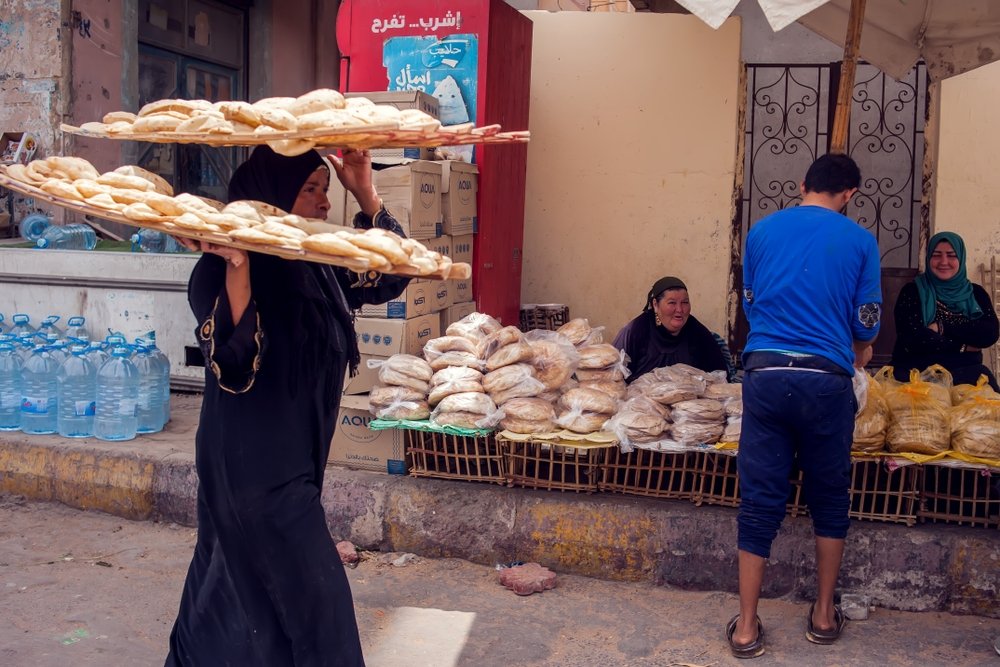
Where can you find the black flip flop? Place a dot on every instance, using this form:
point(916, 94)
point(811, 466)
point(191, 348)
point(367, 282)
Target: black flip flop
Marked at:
point(825, 637)
point(754, 649)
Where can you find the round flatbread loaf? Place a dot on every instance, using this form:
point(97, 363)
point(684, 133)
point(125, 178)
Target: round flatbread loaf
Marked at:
point(18, 172)
point(456, 374)
point(474, 326)
point(118, 127)
point(469, 420)
point(335, 243)
point(577, 330)
point(61, 189)
point(143, 213)
point(160, 184)
point(72, 168)
point(526, 427)
point(612, 375)
point(206, 122)
point(588, 400)
point(182, 108)
point(164, 204)
point(257, 237)
point(507, 377)
point(321, 99)
point(408, 410)
point(498, 339)
point(160, 122)
point(509, 354)
point(597, 357)
point(410, 365)
point(439, 392)
point(529, 409)
point(616, 390)
point(239, 112)
point(125, 182)
point(587, 422)
point(438, 346)
point(275, 226)
point(469, 401)
point(89, 188)
point(383, 395)
point(96, 127)
point(105, 202)
point(277, 118)
point(274, 103)
point(196, 203)
point(119, 116)
point(553, 367)
point(456, 359)
point(291, 147)
point(383, 243)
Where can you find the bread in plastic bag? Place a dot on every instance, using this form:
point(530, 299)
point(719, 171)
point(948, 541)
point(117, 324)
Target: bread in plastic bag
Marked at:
point(734, 407)
point(555, 358)
point(696, 433)
point(638, 420)
point(509, 354)
point(940, 381)
point(467, 402)
point(871, 424)
point(701, 410)
point(580, 421)
point(435, 347)
point(614, 374)
point(576, 330)
point(439, 392)
point(506, 377)
point(455, 373)
point(529, 388)
point(474, 326)
point(723, 390)
point(961, 393)
point(596, 357)
point(527, 427)
point(975, 428)
point(390, 375)
point(919, 421)
point(529, 409)
point(588, 400)
point(457, 359)
point(884, 376)
point(399, 410)
point(469, 420)
point(734, 426)
point(405, 370)
point(668, 393)
point(681, 374)
point(498, 339)
point(616, 390)
point(383, 395)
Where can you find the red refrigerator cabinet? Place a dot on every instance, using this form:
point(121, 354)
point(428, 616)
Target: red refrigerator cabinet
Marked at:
point(475, 56)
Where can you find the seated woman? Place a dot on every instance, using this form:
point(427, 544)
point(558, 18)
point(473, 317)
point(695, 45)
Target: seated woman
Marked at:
point(944, 318)
point(666, 333)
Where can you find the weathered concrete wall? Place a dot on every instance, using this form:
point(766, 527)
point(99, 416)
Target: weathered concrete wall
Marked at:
point(303, 47)
point(967, 192)
point(631, 163)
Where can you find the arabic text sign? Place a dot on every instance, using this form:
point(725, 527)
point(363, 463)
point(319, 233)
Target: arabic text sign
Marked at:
point(428, 24)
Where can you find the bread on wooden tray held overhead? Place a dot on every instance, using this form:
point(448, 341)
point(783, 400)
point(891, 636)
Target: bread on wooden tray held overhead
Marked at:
point(133, 194)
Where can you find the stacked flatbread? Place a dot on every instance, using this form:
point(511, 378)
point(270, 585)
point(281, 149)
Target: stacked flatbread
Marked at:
point(604, 368)
point(146, 199)
point(404, 381)
point(639, 420)
point(584, 410)
point(470, 409)
point(580, 333)
point(316, 113)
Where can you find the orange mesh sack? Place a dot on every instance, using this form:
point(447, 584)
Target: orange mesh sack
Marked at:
point(919, 419)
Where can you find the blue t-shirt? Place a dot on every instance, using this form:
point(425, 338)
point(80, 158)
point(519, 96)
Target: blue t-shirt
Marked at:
point(811, 284)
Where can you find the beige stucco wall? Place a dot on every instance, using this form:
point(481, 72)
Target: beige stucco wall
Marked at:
point(967, 194)
point(631, 162)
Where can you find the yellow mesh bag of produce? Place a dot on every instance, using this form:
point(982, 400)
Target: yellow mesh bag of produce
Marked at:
point(975, 428)
point(872, 422)
point(919, 419)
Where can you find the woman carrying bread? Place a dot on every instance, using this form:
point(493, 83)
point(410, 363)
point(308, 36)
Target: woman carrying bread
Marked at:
point(944, 318)
point(266, 585)
point(666, 333)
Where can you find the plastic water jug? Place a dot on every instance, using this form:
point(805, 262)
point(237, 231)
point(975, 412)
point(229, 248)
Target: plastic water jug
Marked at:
point(25, 346)
point(21, 323)
point(76, 329)
point(68, 237)
point(149, 341)
point(150, 412)
point(117, 397)
point(49, 326)
point(151, 240)
point(97, 354)
point(39, 394)
point(77, 391)
point(34, 225)
point(59, 351)
point(11, 385)
point(1, 323)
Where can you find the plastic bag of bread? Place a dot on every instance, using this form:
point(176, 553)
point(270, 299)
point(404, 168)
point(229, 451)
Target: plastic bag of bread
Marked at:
point(679, 374)
point(700, 410)
point(696, 433)
point(669, 393)
point(614, 374)
point(940, 381)
point(528, 415)
point(975, 428)
point(723, 390)
point(440, 391)
point(509, 354)
point(637, 385)
point(453, 358)
point(467, 410)
point(871, 424)
point(716, 377)
point(581, 421)
point(734, 407)
point(514, 381)
point(555, 357)
point(961, 393)
point(638, 420)
point(400, 410)
point(616, 390)
point(884, 376)
point(498, 339)
point(919, 421)
point(734, 426)
point(404, 370)
point(588, 400)
point(384, 395)
point(436, 347)
point(529, 388)
point(456, 373)
point(579, 332)
point(600, 357)
point(474, 326)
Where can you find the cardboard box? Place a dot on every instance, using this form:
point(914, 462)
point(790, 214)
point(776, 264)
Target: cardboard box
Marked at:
point(17, 147)
point(459, 187)
point(441, 244)
point(461, 251)
point(357, 446)
point(455, 313)
point(412, 193)
point(402, 99)
point(384, 338)
point(366, 378)
point(442, 295)
point(418, 299)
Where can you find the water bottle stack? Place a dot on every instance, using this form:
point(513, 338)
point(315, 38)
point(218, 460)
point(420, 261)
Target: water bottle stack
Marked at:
point(56, 382)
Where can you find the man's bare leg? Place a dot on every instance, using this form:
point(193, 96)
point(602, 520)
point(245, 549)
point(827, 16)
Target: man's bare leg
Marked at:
point(751, 578)
point(829, 553)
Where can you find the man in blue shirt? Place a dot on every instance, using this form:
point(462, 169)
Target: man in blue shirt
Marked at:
point(812, 296)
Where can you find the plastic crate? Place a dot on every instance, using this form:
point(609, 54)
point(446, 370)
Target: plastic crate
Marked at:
point(644, 472)
point(959, 493)
point(548, 316)
point(447, 456)
point(882, 490)
point(537, 464)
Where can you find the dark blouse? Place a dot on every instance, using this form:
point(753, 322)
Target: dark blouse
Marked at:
point(919, 347)
point(649, 346)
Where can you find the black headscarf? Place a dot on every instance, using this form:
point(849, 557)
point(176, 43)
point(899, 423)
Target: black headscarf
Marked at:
point(661, 286)
point(321, 306)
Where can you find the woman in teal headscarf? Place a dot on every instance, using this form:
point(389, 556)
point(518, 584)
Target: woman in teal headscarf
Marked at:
point(944, 318)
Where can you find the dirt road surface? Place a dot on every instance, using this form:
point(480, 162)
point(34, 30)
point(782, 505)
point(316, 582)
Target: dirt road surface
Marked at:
point(87, 589)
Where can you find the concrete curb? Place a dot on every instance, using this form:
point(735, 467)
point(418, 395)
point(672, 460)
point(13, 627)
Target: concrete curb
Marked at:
point(923, 568)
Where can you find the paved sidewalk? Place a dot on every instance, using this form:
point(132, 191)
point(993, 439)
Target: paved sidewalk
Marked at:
point(922, 568)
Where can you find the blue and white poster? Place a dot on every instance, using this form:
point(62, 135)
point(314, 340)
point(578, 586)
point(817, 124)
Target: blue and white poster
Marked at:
point(445, 67)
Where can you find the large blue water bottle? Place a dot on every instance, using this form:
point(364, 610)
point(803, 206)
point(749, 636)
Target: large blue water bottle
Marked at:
point(117, 397)
point(33, 226)
point(11, 388)
point(39, 394)
point(76, 329)
point(149, 341)
point(77, 387)
point(150, 411)
point(68, 237)
point(97, 353)
point(25, 346)
point(21, 323)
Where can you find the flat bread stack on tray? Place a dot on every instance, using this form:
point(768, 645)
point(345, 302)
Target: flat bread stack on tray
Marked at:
point(132, 195)
point(289, 125)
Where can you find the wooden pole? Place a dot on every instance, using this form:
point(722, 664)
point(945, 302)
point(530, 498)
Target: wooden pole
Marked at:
point(842, 114)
